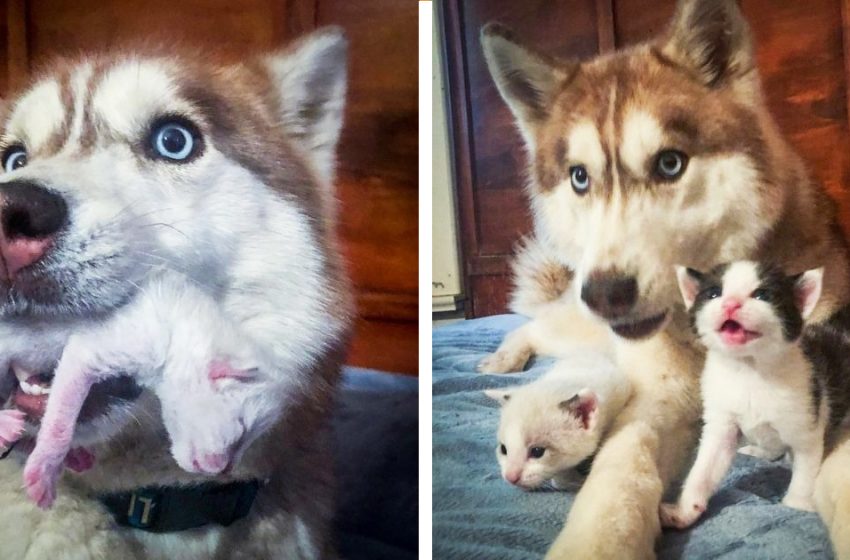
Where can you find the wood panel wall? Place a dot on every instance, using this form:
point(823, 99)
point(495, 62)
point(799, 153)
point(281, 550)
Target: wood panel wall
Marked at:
point(802, 59)
point(377, 159)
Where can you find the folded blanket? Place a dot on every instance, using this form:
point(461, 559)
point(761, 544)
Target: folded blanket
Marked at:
point(478, 515)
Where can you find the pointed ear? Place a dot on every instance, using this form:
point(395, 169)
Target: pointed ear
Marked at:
point(711, 40)
point(583, 406)
point(499, 395)
point(689, 280)
point(310, 79)
point(527, 81)
point(807, 290)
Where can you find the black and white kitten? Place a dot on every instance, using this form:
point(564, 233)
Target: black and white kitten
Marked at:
point(781, 384)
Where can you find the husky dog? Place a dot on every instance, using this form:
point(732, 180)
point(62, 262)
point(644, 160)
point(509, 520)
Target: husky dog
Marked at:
point(123, 167)
point(550, 426)
point(760, 378)
point(657, 155)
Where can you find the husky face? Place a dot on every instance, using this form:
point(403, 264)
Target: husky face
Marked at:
point(644, 158)
point(158, 162)
point(117, 167)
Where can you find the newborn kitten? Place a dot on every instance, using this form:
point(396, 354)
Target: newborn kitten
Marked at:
point(761, 377)
point(551, 425)
point(173, 339)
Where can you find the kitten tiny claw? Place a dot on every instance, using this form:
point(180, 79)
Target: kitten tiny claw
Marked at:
point(40, 476)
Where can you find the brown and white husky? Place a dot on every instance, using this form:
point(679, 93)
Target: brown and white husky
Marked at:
point(119, 167)
point(657, 155)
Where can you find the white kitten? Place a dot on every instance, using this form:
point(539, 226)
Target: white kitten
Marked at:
point(216, 398)
point(549, 426)
point(758, 379)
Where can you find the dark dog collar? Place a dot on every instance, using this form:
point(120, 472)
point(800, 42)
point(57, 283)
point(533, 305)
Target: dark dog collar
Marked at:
point(177, 508)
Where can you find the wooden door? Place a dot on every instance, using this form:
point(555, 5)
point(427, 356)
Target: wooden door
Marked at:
point(801, 56)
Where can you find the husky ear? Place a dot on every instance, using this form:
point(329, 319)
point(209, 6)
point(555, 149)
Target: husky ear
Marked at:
point(689, 280)
point(310, 78)
point(583, 406)
point(807, 290)
point(711, 39)
point(528, 81)
point(501, 396)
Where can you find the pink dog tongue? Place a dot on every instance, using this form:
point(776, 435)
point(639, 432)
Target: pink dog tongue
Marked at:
point(79, 459)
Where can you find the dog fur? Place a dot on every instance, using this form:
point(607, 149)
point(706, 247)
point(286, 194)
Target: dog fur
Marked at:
point(744, 194)
point(250, 220)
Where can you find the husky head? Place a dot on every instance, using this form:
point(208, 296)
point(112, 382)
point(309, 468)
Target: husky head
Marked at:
point(115, 167)
point(645, 158)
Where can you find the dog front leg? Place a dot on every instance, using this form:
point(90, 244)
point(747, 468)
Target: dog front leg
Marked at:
point(615, 514)
point(832, 496)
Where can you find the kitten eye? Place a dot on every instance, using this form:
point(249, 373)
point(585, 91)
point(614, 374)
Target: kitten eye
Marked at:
point(713, 292)
point(503, 449)
point(761, 294)
point(670, 164)
point(579, 179)
point(536, 452)
point(14, 157)
point(174, 139)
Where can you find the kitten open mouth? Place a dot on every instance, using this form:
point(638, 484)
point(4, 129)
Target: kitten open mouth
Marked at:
point(733, 333)
point(32, 390)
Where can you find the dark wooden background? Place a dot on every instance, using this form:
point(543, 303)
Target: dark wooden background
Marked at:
point(802, 55)
point(378, 154)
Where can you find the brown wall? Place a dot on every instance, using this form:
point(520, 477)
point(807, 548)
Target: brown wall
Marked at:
point(801, 56)
point(378, 165)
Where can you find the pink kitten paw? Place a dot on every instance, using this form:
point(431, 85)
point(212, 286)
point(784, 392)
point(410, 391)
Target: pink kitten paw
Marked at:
point(40, 476)
point(679, 516)
point(11, 426)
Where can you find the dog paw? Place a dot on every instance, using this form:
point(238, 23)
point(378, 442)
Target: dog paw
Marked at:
point(502, 362)
point(40, 478)
point(804, 503)
point(679, 516)
point(12, 425)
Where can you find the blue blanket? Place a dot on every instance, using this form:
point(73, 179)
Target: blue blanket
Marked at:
point(376, 453)
point(478, 515)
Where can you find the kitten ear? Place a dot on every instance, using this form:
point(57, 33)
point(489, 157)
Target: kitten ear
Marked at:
point(583, 406)
point(711, 40)
point(689, 280)
point(528, 81)
point(807, 289)
point(499, 395)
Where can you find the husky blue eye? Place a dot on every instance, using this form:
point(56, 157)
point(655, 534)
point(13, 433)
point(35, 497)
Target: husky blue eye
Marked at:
point(670, 164)
point(579, 179)
point(14, 158)
point(176, 141)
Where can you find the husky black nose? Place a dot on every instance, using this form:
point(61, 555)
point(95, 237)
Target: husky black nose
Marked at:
point(30, 216)
point(609, 294)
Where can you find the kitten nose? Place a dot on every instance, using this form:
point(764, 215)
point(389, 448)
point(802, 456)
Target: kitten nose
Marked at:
point(513, 476)
point(730, 306)
point(610, 294)
point(30, 217)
